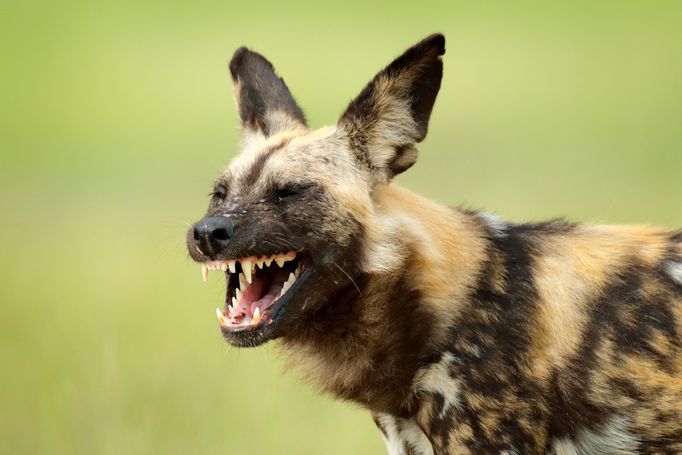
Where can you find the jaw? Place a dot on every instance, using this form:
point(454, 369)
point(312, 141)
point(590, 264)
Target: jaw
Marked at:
point(270, 297)
point(258, 291)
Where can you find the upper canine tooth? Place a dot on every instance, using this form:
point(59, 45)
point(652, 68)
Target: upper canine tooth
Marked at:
point(231, 265)
point(204, 272)
point(246, 266)
point(280, 261)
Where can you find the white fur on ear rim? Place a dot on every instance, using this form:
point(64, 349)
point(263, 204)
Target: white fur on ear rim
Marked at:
point(392, 112)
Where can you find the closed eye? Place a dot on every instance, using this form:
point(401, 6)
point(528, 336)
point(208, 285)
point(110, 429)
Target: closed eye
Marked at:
point(219, 193)
point(289, 191)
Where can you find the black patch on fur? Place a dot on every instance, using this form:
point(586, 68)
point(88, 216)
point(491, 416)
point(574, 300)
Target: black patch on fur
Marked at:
point(629, 318)
point(677, 237)
point(498, 326)
point(379, 425)
point(260, 91)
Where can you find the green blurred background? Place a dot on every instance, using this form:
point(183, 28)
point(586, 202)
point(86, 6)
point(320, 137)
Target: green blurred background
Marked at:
point(116, 116)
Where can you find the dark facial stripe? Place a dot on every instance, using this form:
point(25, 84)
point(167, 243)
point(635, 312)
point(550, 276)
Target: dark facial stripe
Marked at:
point(257, 167)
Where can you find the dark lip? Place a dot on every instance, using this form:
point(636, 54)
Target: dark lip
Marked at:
point(247, 336)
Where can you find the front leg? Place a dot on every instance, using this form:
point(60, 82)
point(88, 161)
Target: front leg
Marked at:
point(402, 436)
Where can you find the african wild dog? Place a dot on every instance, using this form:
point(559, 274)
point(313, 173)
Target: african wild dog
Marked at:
point(460, 332)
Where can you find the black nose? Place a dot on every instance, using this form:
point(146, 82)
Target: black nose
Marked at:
point(213, 233)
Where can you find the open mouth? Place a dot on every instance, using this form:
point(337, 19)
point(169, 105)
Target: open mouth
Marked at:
point(254, 285)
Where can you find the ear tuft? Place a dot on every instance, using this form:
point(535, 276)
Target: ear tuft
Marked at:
point(264, 101)
point(392, 112)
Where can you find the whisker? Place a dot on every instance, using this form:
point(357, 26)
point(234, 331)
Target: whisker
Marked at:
point(351, 279)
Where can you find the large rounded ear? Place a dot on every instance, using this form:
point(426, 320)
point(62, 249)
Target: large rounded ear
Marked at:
point(265, 104)
point(392, 112)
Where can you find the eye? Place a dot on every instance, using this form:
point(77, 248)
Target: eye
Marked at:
point(219, 193)
point(289, 191)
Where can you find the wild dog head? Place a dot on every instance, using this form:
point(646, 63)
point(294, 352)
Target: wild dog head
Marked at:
point(290, 219)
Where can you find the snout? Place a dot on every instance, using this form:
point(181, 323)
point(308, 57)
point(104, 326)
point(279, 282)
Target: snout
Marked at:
point(212, 234)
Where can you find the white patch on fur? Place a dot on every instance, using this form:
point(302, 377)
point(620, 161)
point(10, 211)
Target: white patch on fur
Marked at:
point(401, 433)
point(613, 439)
point(496, 224)
point(436, 378)
point(674, 269)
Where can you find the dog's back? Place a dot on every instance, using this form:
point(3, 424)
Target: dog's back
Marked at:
point(570, 340)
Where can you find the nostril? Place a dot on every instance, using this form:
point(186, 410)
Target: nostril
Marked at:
point(221, 234)
point(197, 235)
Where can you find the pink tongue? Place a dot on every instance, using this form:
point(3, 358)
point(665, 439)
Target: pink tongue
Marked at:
point(261, 293)
point(251, 296)
point(267, 299)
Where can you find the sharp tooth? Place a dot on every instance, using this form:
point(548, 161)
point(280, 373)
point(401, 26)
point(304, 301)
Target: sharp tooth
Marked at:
point(247, 270)
point(287, 284)
point(223, 267)
point(298, 270)
point(290, 255)
point(268, 261)
point(221, 318)
point(234, 303)
point(231, 265)
point(259, 263)
point(256, 316)
point(242, 282)
point(238, 293)
point(280, 261)
point(204, 272)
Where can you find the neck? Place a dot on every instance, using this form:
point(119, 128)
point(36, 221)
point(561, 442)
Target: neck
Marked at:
point(419, 262)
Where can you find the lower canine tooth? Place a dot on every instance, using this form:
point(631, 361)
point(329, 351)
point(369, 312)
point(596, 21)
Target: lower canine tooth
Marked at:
point(288, 283)
point(238, 293)
point(221, 318)
point(242, 282)
point(256, 316)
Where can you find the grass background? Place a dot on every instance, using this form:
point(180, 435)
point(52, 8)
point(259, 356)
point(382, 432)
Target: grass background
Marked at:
point(116, 116)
